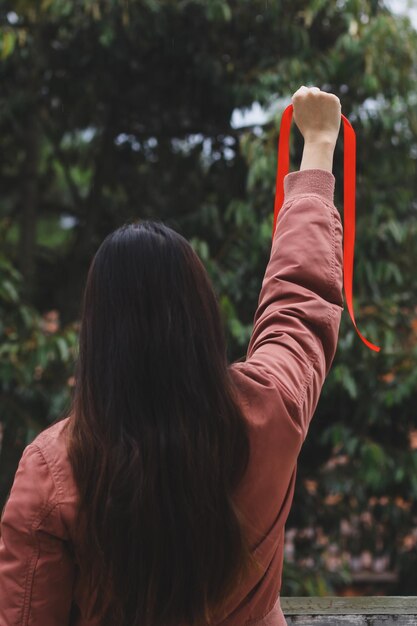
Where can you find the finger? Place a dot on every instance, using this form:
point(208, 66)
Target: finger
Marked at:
point(331, 96)
point(334, 97)
point(301, 91)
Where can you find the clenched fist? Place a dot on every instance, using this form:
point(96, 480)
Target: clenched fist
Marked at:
point(317, 114)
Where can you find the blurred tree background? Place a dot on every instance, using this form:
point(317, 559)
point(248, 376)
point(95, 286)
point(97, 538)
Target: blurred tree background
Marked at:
point(114, 110)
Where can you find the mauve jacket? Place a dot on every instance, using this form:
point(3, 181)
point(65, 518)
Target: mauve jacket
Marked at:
point(290, 352)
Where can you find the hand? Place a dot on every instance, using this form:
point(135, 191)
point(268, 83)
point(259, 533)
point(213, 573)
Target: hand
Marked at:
point(317, 115)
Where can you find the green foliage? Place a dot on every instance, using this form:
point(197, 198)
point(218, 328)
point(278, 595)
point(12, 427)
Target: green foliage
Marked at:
point(117, 110)
point(36, 361)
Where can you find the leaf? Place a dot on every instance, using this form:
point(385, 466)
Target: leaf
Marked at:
point(27, 316)
point(8, 291)
point(218, 10)
point(62, 348)
point(45, 4)
point(7, 44)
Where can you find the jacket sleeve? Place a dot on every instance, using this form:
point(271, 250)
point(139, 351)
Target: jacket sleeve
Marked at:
point(297, 320)
point(36, 569)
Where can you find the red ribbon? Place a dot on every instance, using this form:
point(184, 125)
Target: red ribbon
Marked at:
point(349, 192)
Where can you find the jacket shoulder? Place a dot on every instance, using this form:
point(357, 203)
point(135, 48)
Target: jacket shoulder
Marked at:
point(51, 434)
point(52, 442)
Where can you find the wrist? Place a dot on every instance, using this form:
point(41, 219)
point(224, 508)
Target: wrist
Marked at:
point(321, 137)
point(318, 155)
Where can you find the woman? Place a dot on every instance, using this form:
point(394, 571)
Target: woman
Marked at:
point(161, 498)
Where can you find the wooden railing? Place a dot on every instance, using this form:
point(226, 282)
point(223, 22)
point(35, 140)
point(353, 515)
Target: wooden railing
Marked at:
point(351, 611)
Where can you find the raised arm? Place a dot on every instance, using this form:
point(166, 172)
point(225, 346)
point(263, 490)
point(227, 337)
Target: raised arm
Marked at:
point(297, 321)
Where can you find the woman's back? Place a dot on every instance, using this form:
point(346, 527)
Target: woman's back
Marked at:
point(278, 386)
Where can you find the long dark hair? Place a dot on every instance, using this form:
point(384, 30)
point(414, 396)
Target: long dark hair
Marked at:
point(157, 440)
